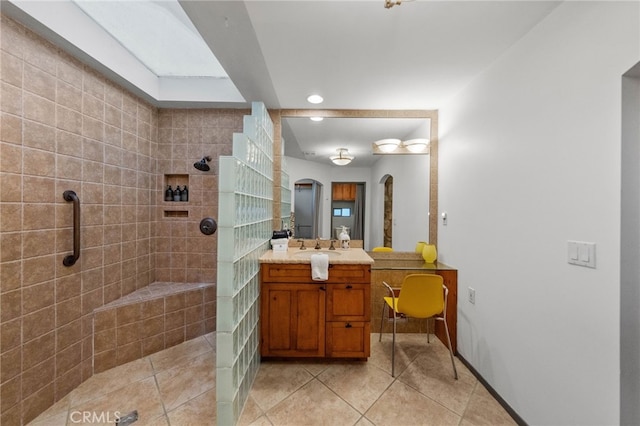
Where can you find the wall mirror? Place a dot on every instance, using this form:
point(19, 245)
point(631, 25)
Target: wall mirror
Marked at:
point(312, 142)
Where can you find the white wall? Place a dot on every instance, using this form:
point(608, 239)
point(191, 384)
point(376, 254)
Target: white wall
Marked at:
point(410, 200)
point(410, 195)
point(530, 158)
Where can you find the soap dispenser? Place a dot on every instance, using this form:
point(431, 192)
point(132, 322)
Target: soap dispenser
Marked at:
point(184, 195)
point(344, 238)
point(168, 194)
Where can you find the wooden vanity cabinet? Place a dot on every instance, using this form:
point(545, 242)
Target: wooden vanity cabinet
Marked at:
point(343, 191)
point(293, 320)
point(305, 318)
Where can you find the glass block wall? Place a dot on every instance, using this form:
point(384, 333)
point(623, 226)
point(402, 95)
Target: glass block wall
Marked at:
point(244, 231)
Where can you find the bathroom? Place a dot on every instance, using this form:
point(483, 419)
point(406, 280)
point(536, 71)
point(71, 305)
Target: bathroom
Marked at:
point(119, 164)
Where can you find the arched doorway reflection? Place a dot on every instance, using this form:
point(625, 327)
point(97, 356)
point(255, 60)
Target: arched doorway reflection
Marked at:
point(388, 211)
point(307, 207)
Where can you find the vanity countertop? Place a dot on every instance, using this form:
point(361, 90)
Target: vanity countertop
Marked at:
point(336, 257)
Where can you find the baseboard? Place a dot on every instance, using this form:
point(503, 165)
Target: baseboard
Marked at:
point(516, 417)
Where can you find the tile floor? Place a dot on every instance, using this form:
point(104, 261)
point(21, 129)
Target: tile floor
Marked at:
point(176, 387)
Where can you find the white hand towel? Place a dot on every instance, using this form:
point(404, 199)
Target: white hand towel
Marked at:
point(319, 267)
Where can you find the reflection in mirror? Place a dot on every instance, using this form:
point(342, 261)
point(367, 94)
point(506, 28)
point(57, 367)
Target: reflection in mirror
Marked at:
point(318, 140)
point(307, 208)
point(309, 144)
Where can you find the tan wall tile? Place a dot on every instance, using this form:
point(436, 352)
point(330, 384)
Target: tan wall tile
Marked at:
point(11, 132)
point(39, 82)
point(38, 270)
point(38, 190)
point(68, 334)
point(38, 376)
point(68, 310)
point(10, 335)
point(10, 217)
point(11, 304)
point(37, 403)
point(11, 99)
point(38, 323)
point(9, 395)
point(37, 297)
point(39, 109)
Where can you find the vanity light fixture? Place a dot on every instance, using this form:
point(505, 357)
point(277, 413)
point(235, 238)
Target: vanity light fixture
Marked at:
point(387, 145)
point(343, 158)
point(315, 99)
point(416, 145)
point(395, 146)
point(316, 118)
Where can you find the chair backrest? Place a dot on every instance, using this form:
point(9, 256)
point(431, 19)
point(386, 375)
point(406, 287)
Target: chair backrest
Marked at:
point(421, 295)
point(382, 249)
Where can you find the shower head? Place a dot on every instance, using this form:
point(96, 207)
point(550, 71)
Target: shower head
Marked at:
point(202, 164)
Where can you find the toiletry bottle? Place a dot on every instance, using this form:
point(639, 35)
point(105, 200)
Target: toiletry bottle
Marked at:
point(168, 194)
point(184, 195)
point(176, 194)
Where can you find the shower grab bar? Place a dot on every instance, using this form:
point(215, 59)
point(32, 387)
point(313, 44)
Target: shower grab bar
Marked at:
point(71, 259)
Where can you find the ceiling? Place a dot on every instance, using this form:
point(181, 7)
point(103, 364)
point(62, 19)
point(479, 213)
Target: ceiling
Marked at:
point(357, 55)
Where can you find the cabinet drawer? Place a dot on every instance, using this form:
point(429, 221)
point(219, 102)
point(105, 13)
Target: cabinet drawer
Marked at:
point(347, 339)
point(301, 273)
point(348, 302)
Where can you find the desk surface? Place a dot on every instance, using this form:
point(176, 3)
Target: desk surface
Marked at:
point(405, 260)
point(406, 265)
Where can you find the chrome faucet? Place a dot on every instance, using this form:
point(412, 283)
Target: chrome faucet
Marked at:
point(302, 247)
point(317, 244)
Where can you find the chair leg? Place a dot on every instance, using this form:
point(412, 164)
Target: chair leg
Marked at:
point(382, 320)
point(446, 329)
point(393, 348)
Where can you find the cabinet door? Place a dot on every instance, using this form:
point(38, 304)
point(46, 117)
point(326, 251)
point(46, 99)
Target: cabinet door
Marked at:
point(293, 320)
point(348, 339)
point(348, 302)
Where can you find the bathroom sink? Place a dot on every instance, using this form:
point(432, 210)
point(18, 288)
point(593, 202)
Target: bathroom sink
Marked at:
point(307, 253)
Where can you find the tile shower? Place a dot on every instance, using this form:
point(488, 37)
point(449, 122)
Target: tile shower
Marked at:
point(64, 126)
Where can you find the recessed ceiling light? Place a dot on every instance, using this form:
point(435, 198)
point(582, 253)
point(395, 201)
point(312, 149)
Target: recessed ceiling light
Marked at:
point(315, 99)
point(316, 118)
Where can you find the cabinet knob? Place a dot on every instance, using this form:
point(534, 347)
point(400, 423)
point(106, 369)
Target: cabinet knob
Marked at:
point(322, 288)
point(347, 325)
point(349, 286)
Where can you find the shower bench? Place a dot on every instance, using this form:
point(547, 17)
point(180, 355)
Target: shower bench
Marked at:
point(151, 319)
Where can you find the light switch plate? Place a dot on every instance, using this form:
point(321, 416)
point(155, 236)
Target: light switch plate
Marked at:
point(581, 253)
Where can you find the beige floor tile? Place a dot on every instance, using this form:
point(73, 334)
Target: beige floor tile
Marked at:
point(403, 405)
point(359, 384)
point(200, 410)
point(180, 384)
point(142, 396)
point(277, 380)
point(483, 409)
point(180, 354)
point(408, 346)
point(250, 413)
point(211, 338)
point(433, 376)
point(313, 404)
point(111, 380)
point(364, 422)
point(261, 421)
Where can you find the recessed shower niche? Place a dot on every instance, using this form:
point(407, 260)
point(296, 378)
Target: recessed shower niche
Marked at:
point(175, 195)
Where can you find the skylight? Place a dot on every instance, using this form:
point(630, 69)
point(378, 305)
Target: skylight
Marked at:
point(158, 33)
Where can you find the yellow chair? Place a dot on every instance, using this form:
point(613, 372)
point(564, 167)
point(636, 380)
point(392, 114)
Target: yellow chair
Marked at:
point(421, 296)
point(383, 249)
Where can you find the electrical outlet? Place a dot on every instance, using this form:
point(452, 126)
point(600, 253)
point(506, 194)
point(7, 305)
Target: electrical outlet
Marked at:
point(472, 296)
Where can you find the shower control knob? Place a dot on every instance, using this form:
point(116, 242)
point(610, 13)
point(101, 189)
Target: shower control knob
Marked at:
point(208, 226)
